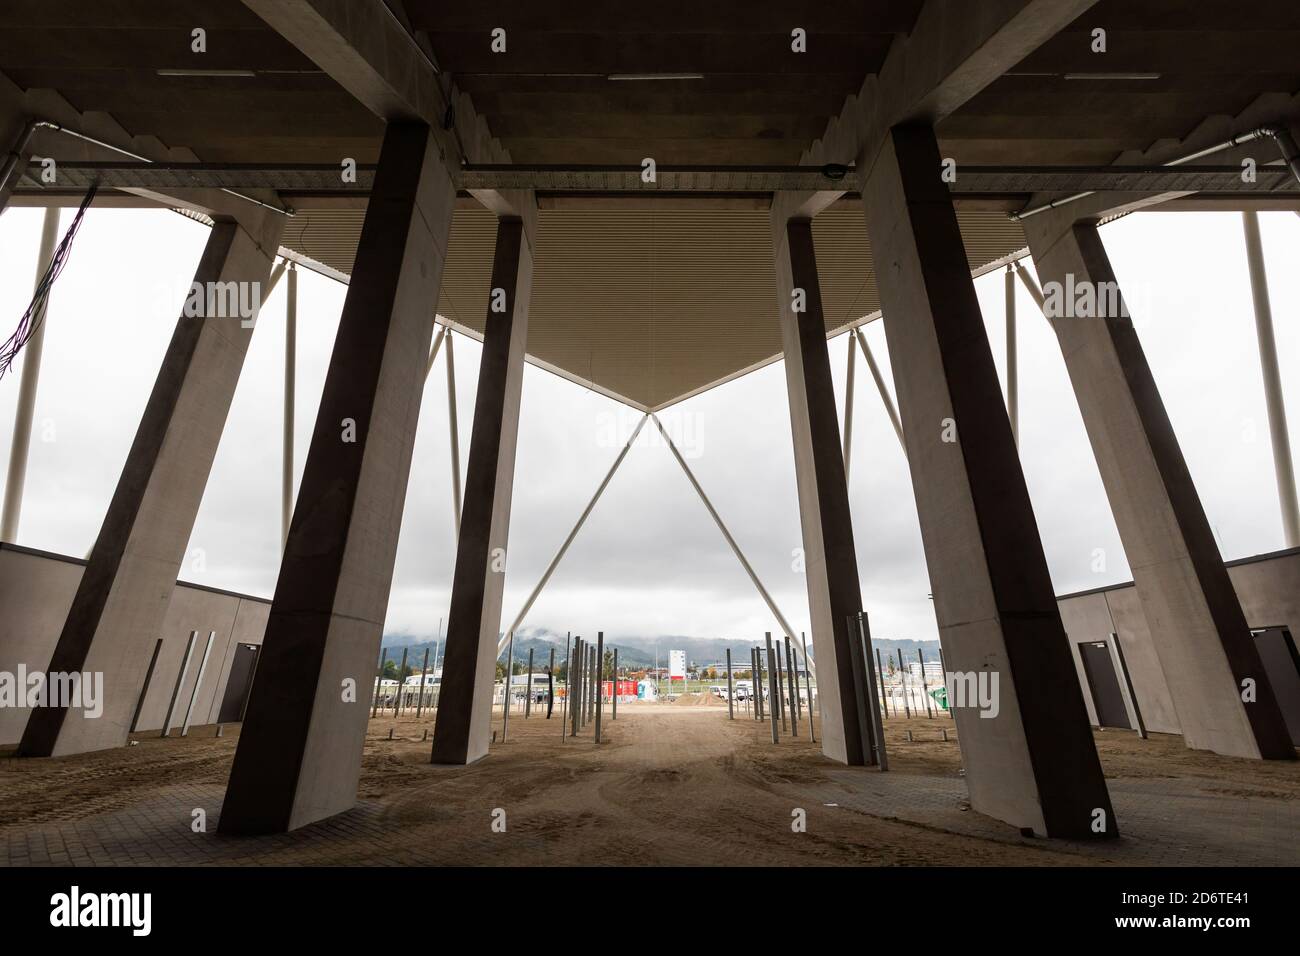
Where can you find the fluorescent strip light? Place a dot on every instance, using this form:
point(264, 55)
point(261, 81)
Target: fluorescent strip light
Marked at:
point(1112, 76)
point(656, 76)
point(244, 73)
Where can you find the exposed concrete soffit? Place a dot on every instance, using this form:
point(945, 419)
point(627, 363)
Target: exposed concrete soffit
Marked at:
point(956, 49)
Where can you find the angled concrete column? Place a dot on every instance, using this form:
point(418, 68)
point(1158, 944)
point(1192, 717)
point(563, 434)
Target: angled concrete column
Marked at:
point(829, 558)
point(113, 623)
point(1029, 753)
point(462, 732)
point(299, 756)
point(1195, 617)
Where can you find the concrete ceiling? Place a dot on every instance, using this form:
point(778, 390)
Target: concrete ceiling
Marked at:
point(651, 302)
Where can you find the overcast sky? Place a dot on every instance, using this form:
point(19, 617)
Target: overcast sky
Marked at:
point(649, 560)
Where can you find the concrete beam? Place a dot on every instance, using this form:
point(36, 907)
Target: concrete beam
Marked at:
point(1031, 762)
point(123, 594)
point(956, 49)
point(830, 559)
point(299, 755)
point(1197, 625)
point(463, 731)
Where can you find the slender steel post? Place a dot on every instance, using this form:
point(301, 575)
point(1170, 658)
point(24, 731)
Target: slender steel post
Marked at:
point(902, 676)
point(528, 700)
point(198, 682)
point(593, 688)
point(883, 389)
point(379, 679)
point(614, 696)
point(573, 686)
point(781, 706)
point(1283, 468)
point(773, 688)
point(600, 679)
point(925, 691)
point(1031, 286)
point(884, 698)
point(433, 352)
point(510, 666)
point(877, 722)
point(401, 682)
point(550, 685)
point(812, 732)
point(1013, 361)
point(731, 698)
point(290, 392)
point(789, 683)
point(22, 437)
point(424, 673)
point(454, 436)
point(568, 687)
point(848, 409)
point(796, 703)
point(180, 679)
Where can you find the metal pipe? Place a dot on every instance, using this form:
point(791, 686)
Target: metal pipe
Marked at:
point(885, 397)
point(290, 388)
point(550, 684)
point(774, 691)
point(902, 679)
point(1283, 466)
point(572, 682)
point(505, 709)
point(424, 673)
point(613, 697)
point(401, 682)
point(455, 436)
point(433, 352)
point(568, 687)
point(731, 704)
point(1013, 372)
point(1281, 136)
point(1031, 286)
point(379, 681)
point(600, 680)
point(559, 555)
point(528, 696)
point(789, 679)
point(22, 438)
point(808, 676)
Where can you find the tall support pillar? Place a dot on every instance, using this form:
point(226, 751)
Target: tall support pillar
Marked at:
point(1283, 466)
point(1197, 626)
point(299, 755)
point(1031, 760)
point(22, 438)
point(123, 594)
point(463, 732)
point(290, 390)
point(830, 560)
point(1013, 354)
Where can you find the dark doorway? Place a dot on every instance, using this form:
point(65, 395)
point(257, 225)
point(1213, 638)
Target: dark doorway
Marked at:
point(1107, 699)
point(240, 683)
point(1277, 652)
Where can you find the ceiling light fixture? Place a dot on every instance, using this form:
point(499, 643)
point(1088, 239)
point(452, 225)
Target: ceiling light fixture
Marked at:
point(656, 76)
point(243, 73)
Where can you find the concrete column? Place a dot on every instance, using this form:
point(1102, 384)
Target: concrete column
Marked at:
point(1196, 622)
point(1283, 467)
point(1031, 761)
point(118, 610)
point(462, 732)
point(22, 437)
point(1013, 356)
point(299, 755)
point(290, 390)
point(830, 561)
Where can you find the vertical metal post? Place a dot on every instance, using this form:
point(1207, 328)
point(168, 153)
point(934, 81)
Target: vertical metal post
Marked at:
point(884, 698)
point(568, 687)
point(379, 678)
point(1013, 361)
point(290, 391)
point(925, 692)
point(22, 437)
point(573, 685)
point(550, 685)
point(790, 687)
point(180, 679)
point(510, 666)
point(731, 696)
point(528, 700)
point(902, 676)
point(1283, 468)
point(877, 722)
point(401, 682)
point(198, 682)
point(614, 696)
point(600, 679)
point(885, 398)
point(807, 670)
point(780, 687)
point(148, 677)
point(454, 434)
point(424, 673)
point(593, 688)
point(773, 689)
point(855, 624)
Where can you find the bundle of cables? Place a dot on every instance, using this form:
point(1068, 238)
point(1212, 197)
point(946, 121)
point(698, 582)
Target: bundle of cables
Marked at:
point(35, 313)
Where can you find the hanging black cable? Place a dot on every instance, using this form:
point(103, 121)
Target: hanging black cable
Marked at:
point(31, 319)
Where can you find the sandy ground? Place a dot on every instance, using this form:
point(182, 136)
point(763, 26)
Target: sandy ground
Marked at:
point(672, 784)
